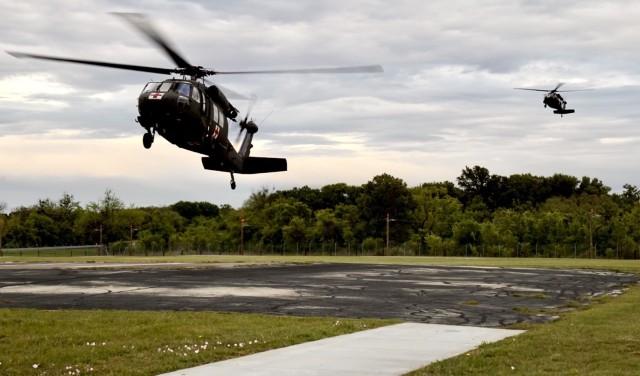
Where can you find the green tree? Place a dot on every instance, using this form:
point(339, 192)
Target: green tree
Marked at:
point(191, 210)
point(561, 185)
point(308, 196)
point(592, 187)
point(474, 181)
point(105, 214)
point(333, 195)
point(17, 234)
point(435, 212)
point(386, 196)
point(467, 231)
point(327, 226)
point(349, 218)
point(162, 225)
point(279, 214)
point(202, 234)
point(296, 231)
point(526, 191)
point(629, 198)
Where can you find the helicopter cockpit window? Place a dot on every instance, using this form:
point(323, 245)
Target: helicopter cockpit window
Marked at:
point(165, 86)
point(183, 88)
point(152, 86)
point(195, 94)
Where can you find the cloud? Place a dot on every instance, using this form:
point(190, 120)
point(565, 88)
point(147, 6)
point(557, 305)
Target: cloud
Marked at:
point(445, 100)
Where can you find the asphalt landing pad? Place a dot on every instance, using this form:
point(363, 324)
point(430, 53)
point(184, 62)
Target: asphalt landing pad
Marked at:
point(387, 351)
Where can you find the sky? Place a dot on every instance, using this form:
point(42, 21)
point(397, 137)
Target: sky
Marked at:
point(445, 100)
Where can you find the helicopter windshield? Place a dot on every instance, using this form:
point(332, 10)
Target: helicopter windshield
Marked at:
point(151, 86)
point(157, 86)
point(183, 88)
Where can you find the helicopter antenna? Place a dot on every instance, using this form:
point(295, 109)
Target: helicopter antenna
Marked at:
point(266, 117)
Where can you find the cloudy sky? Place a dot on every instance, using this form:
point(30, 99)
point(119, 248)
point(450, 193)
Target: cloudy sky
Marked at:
point(445, 100)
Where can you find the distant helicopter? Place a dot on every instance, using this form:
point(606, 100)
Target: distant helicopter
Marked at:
point(194, 116)
point(554, 100)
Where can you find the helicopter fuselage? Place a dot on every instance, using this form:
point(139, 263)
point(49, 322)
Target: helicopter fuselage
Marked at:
point(555, 101)
point(195, 117)
point(182, 113)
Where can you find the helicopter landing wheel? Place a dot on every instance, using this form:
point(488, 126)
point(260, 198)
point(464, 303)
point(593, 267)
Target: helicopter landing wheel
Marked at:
point(147, 140)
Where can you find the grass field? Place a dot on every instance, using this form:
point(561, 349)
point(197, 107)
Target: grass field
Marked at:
point(632, 266)
point(39, 342)
point(602, 338)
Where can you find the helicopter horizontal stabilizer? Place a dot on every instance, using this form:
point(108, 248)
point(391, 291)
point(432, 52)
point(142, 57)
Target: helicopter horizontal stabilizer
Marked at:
point(252, 165)
point(562, 112)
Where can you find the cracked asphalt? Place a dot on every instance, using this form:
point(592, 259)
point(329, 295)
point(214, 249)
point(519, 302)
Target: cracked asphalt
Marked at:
point(476, 296)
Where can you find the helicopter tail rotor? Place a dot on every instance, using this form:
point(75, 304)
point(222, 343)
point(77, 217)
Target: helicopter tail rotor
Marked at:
point(246, 124)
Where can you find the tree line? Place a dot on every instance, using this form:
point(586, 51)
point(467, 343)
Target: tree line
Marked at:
point(482, 214)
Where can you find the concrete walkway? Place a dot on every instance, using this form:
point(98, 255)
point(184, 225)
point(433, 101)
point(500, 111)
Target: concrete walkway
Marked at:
point(387, 351)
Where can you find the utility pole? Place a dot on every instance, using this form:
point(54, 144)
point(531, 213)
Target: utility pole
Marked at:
point(242, 236)
point(592, 215)
point(1, 229)
point(3, 206)
point(101, 247)
point(130, 239)
point(386, 250)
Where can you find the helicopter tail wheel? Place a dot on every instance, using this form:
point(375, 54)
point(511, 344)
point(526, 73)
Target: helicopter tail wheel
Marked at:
point(233, 181)
point(147, 140)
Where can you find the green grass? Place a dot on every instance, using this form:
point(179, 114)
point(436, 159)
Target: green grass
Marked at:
point(602, 338)
point(147, 343)
point(208, 260)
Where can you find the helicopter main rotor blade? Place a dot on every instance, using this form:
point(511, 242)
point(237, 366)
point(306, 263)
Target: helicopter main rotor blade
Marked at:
point(551, 91)
point(230, 94)
point(358, 69)
point(138, 68)
point(557, 87)
point(566, 91)
point(524, 88)
point(141, 22)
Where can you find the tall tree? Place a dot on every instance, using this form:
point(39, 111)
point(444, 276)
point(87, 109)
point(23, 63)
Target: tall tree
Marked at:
point(386, 197)
point(561, 185)
point(105, 215)
point(592, 186)
point(191, 210)
point(478, 182)
point(159, 228)
point(474, 181)
point(525, 190)
point(435, 211)
point(279, 214)
point(630, 197)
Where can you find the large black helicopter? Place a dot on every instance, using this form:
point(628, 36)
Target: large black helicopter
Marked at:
point(193, 115)
point(554, 100)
